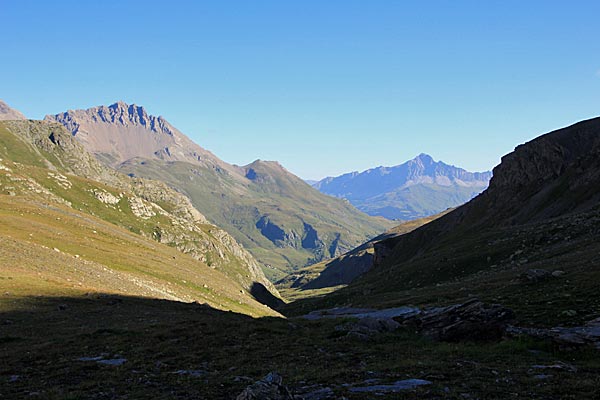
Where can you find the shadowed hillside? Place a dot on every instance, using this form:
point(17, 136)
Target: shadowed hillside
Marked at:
point(541, 212)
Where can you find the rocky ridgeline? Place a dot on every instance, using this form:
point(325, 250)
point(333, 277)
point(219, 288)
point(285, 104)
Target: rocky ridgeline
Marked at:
point(549, 176)
point(123, 131)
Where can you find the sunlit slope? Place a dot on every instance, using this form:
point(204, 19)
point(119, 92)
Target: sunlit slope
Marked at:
point(69, 231)
point(284, 222)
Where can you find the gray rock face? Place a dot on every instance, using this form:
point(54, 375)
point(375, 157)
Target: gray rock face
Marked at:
point(7, 113)
point(536, 275)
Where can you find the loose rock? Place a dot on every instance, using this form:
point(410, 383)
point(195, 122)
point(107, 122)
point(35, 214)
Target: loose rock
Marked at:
point(269, 388)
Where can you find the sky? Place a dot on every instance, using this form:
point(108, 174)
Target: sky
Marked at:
point(322, 86)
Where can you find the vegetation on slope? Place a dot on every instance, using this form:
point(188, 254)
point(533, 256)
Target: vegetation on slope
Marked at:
point(281, 220)
point(347, 267)
point(129, 237)
point(285, 223)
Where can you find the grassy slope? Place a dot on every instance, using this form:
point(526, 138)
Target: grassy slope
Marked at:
point(288, 202)
point(43, 210)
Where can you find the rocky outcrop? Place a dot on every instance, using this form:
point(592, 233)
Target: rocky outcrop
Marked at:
point(472, 320)
point(7, 113)
point(122, 131)
point(268, 388)
point(578, 336)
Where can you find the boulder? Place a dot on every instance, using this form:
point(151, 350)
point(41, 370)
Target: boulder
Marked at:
point(577, 336)
point(268, 388)
point(472, 320)
point(535, 275)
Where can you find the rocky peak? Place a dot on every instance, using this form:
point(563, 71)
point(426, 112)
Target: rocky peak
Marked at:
point(8, 113)
point(121, 132)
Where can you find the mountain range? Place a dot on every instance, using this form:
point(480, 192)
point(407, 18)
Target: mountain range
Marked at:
point(415, 189)
point(115, 285)
point(540, 215)
point(281, 220)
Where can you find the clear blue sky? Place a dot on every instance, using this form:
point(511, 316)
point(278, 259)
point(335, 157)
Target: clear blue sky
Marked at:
point(324, 87)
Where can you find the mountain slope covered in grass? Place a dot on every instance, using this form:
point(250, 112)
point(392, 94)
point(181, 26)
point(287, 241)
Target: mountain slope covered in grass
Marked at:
point(281, 220)
point(416, 189)
point(70, 223)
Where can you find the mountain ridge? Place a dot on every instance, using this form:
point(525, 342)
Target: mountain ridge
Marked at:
point(540, 214)
point(281, 220)
point(414, 189)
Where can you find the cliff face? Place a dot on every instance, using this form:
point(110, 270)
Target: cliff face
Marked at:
point(551, 175)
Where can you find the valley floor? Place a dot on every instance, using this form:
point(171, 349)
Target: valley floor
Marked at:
point(107, 347)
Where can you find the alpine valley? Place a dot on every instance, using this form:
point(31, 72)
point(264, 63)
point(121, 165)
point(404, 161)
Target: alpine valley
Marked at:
point(281, 220)
point(135, 264)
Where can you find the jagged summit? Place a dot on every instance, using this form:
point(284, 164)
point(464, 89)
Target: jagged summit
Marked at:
point(394, 191)
point(7, 113)
point(121, 131)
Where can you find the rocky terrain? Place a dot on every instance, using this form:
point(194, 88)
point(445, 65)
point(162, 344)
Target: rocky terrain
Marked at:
point(418, 188)
point(280, 219)
point(43, 166)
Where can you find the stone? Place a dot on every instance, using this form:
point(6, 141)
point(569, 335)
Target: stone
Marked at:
point(535, 275)
point(364, 328)
point(472, 320)
point(113, 362)
point(269, 388)
point(589, 334)
point(397, 386)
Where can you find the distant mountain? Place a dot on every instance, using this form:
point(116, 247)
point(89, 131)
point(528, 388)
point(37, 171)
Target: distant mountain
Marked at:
point(418, 188)
point(83, 227)
point(281, 220)
point(538, 221)
point(7, 113)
